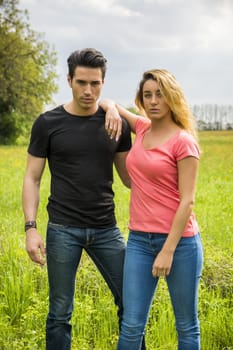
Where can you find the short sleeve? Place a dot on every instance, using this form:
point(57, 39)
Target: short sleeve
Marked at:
point(142, 124)
point(125, 140)
point(38, 145)
point(186, 146)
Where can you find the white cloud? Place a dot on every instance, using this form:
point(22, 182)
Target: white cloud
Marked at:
point(192, 38)
point(107, 7)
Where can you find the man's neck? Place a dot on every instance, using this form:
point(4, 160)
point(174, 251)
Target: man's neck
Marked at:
point(72, 108)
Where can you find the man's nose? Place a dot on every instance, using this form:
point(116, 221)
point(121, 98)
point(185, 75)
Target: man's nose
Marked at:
point(87, 89)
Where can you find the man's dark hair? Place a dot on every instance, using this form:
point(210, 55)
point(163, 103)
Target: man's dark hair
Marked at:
point(86, 58)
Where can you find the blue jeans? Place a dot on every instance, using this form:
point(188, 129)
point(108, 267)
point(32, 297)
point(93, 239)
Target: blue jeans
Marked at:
point(139, 287)
point(64, 247)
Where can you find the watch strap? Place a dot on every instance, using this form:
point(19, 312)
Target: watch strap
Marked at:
point(29, 224)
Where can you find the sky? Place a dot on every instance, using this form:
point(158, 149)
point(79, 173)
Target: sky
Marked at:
point(190, 38)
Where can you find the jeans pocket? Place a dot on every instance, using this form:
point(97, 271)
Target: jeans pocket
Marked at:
point(59, 243)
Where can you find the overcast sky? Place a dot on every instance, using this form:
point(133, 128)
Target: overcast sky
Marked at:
point(190, 38)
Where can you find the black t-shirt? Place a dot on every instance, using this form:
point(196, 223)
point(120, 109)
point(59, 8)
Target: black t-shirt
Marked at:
point(80, 156)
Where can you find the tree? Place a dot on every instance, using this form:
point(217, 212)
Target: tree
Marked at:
point(27, 72)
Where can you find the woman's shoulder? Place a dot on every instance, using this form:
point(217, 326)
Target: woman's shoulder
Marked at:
point(185, 136)
point(185, 143)
point(142, 124)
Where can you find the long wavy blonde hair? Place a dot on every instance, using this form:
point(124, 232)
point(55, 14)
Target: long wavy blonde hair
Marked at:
point(173, 96)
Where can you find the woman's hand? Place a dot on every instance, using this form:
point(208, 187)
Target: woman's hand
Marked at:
point(113, 122)
point(162, 264)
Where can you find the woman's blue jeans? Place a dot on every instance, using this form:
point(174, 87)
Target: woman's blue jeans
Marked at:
point(139, 287)
point(64, 247)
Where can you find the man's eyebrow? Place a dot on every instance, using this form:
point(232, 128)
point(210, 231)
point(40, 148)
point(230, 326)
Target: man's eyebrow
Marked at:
point(86, 81)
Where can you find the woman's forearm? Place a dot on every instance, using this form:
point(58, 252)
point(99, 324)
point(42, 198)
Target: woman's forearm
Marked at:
point(178, 226)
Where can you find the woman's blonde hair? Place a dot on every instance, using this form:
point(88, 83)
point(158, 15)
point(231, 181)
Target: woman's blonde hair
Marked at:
point(173, 96)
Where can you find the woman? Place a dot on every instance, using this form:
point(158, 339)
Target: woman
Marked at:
point(164, 240)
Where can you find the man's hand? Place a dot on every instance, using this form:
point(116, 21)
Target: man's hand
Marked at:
point(113, 123)
point(35, 246)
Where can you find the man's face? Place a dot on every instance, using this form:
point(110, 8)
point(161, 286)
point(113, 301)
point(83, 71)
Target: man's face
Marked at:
point(86, 87)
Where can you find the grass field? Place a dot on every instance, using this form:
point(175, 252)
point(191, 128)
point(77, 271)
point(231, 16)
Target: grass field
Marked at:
point(23, 286)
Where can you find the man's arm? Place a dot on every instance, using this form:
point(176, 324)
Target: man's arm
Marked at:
point(119, 162)
point(30, 201)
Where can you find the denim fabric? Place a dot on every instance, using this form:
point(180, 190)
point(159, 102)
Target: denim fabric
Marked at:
point(64, 247)
point(139, 287)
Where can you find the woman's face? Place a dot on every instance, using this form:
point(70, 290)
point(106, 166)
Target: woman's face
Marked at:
point(153, 102)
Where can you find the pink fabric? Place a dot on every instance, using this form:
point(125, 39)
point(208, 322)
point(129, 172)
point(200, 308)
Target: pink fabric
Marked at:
point(154, 188)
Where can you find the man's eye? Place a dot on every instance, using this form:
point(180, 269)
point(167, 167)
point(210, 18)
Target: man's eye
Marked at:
point(95, 83)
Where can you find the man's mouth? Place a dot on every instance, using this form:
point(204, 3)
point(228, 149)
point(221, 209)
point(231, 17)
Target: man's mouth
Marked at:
point(87, 99)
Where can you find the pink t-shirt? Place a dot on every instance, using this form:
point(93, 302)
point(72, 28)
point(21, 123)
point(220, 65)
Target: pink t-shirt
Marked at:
point(154, 181)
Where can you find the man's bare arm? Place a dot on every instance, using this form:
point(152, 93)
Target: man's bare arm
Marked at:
point(30, 201)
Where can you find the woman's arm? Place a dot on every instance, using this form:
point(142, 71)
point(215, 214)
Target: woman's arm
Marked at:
point(112, 109)
point(187, 175)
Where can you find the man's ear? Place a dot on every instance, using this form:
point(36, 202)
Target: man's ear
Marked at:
point(69, 79)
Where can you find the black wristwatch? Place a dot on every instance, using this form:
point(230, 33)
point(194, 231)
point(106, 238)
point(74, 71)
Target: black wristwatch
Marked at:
point(29, 224)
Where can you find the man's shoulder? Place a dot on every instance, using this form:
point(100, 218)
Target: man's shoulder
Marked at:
point(125, 126)
point(57, 111)
point(100, 112)
point(49, 118)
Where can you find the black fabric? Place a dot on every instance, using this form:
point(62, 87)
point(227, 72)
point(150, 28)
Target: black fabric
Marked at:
point(80, 157)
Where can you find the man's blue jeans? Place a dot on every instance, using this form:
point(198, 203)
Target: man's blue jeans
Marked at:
point(64, 247)
point(139, 287)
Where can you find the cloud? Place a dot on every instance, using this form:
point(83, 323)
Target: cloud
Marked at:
point(192, 39)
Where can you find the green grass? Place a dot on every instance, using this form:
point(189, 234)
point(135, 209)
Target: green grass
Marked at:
point(23, 285)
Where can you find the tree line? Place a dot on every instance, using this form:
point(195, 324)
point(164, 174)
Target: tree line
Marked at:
point(210, 116)
point(213, 116)
point(28, 77)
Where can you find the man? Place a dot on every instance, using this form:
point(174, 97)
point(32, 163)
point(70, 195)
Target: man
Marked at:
point(80, 155)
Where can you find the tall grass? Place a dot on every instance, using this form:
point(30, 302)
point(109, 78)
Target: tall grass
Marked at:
point(23, 285)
